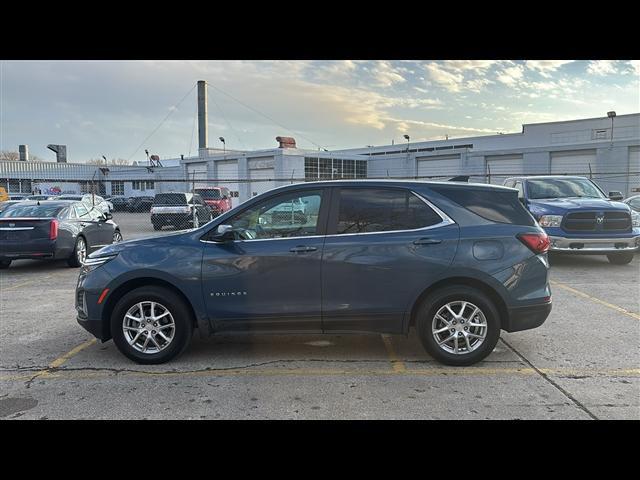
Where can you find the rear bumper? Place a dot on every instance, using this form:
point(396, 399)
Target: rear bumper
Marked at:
point(28, 250)
point(171, 218)
point(586, 245)
point(527, 317)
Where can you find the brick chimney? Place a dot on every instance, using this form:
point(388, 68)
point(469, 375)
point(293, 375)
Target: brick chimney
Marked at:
point(286, 142)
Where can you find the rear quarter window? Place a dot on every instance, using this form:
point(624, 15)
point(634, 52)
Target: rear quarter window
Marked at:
point(496, 205)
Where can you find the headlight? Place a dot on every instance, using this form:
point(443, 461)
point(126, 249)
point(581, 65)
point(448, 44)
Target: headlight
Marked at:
point(93, 263)
point(635, 218)
point(550, 220)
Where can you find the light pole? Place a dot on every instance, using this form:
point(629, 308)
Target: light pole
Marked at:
point(224, 145)
point(408, 139)
point(611, 115)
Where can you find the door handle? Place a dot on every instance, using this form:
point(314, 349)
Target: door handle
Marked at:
point(427, 241)
point(302, 249)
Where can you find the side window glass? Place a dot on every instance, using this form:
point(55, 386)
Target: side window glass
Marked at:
point(363, 210)
point(520, 189)
point(288, 215)
point(82, 212)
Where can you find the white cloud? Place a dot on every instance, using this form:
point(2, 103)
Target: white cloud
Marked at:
point(385, 75)
point(546, 67)
point(466, 65)
point(635, 66)
point(450, 81)
point(511, 75)
point(602, 67)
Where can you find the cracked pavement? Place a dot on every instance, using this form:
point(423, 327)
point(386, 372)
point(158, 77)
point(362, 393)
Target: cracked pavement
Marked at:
point(583, 363)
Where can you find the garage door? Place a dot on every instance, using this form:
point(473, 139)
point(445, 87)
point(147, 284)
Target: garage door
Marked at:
point(500, 167)
point(258, 186)
point(634, 171)
point(197, 173)
point(573, 163)
point(229, 169)
point(440, 165)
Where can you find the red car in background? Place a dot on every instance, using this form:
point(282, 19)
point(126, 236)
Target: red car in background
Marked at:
point(217, 198)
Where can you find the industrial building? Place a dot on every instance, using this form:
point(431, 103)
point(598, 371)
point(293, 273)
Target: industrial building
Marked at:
point(605, 148)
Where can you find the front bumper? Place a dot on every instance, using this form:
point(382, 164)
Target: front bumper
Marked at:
point(587, 245)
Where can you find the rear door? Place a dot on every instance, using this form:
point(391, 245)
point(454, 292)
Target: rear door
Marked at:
point(384, 245)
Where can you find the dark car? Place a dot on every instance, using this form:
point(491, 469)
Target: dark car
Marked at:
point(180, 210)
point(579, 218)
point(120, 204)
point(139, 204)
point(55, 229)
point(217, 198)
point(459, 262)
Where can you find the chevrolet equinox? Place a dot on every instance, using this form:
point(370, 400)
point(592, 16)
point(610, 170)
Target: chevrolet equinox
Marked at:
point(458, 262)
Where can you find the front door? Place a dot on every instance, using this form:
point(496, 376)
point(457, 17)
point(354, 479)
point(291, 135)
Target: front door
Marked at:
point(384, 245)
point(268, 278)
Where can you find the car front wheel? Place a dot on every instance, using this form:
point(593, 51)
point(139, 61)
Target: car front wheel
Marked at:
point(620, 258)
point(151, 325)
point(458, 325)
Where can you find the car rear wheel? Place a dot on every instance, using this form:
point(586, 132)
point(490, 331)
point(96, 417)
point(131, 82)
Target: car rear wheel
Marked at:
point(79, 254)
point(620, 258)
point(4, 264)
point(458, 325)
point(151, 325)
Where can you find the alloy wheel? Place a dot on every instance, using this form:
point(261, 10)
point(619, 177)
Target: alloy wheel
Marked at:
point(459, 327)
point(148, 327)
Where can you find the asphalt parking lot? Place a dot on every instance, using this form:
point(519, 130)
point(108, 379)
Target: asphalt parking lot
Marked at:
point(583, 363)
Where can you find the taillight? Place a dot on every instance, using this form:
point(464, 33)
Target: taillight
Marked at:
point(53, 230)
point(537, 242)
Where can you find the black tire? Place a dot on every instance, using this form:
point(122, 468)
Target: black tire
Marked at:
point(4, 264)
point(117, 237)
point(620, 258)
point(73, 260)
point(182, 317)
point(436, 300)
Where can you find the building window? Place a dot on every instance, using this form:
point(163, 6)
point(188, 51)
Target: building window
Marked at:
point(117, 188)
point(333, 169)
point(142, 185)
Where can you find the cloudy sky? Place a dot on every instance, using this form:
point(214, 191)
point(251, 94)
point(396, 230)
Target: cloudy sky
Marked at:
point(110, 107)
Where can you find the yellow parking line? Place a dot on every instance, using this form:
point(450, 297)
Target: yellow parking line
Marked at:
point(60, 360)
point(14, 287)
point(596, 300)
point(397, 364)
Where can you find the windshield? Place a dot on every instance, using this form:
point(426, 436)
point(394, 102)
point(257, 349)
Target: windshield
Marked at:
point(562, 188)
point(31, 211)
point(209, 194)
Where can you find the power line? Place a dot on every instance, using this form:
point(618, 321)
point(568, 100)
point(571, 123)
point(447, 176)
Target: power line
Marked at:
point(264, 115)
point(162, 122)
point(228, 123)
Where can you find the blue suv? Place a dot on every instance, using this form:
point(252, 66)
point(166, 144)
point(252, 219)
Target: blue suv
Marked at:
point(579, 218)
point(457, 261)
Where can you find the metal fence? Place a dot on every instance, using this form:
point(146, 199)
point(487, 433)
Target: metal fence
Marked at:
point(143, 207)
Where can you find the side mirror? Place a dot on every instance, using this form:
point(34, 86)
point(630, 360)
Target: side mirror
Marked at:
point(107, 216)
point(224, 233)
point(616, 196)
